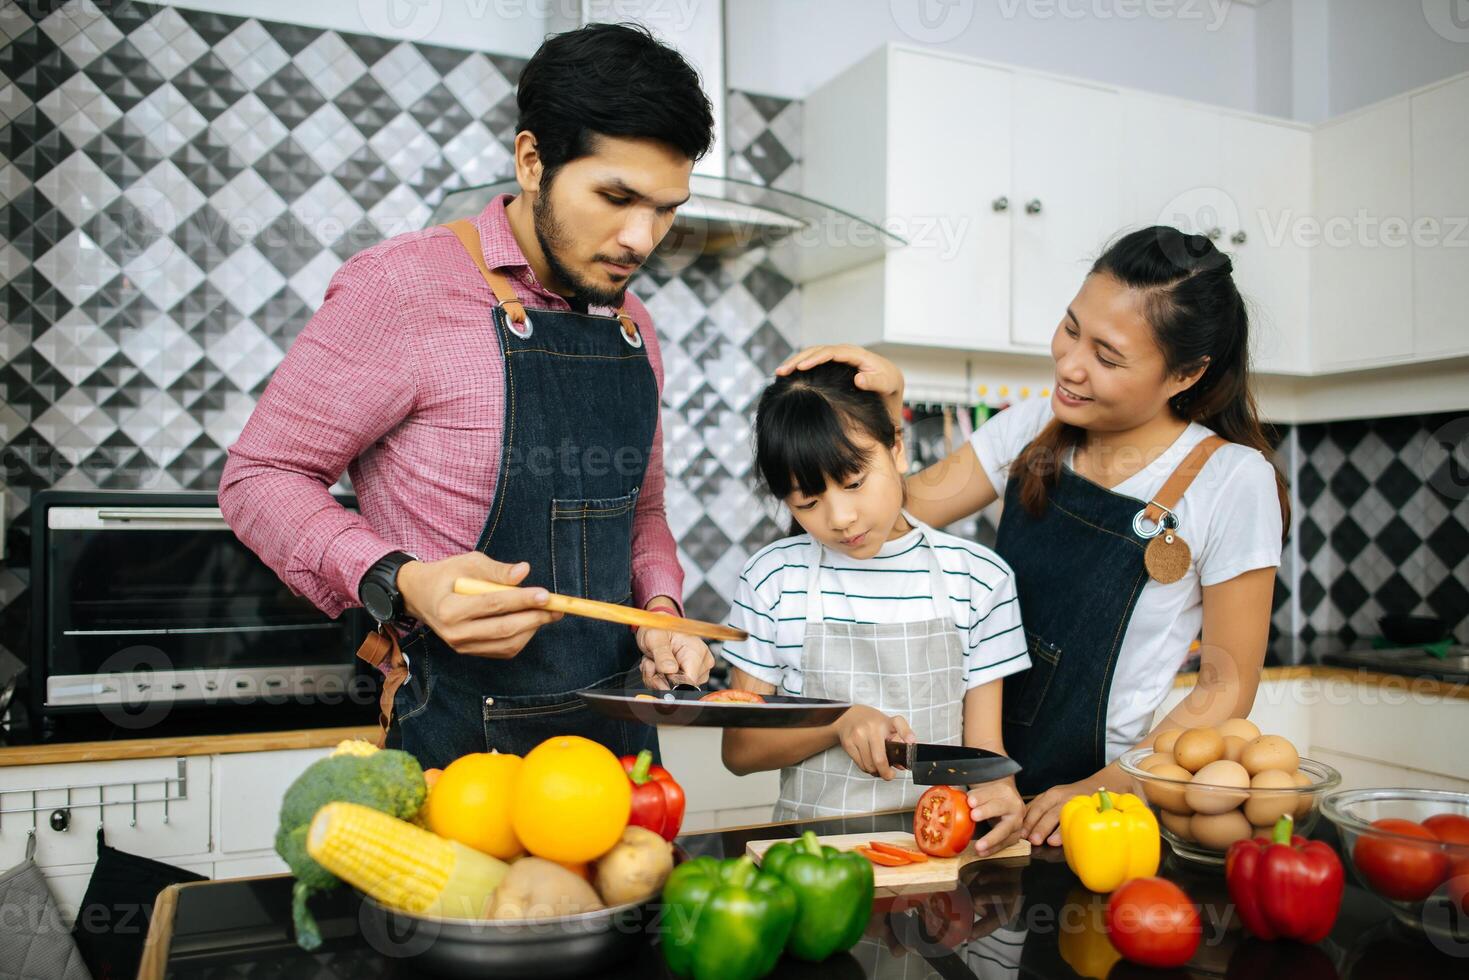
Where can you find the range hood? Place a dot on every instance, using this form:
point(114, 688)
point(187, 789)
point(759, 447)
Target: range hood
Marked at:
point(802, 238)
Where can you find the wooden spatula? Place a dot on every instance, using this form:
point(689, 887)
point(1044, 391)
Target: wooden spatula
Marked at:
point(611, 612)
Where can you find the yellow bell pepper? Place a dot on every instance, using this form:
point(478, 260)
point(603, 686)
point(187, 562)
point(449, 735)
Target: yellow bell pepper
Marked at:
point(1109, 839)
point(1083, 941)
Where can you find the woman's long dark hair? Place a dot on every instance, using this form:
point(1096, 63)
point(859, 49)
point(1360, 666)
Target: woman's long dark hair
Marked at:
point(804, 426)
point(1196, 312)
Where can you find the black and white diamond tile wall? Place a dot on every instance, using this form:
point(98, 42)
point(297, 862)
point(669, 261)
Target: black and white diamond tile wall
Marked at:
point(176, 190)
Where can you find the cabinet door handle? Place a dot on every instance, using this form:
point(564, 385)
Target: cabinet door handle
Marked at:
point(1214, 234)
point(1239, 238)
point(1000, 204)
point(1033, 206)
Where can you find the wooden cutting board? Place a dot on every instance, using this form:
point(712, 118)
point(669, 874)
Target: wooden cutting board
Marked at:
point(932, 875)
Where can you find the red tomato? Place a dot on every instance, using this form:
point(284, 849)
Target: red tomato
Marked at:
point(941, 822)
point(1459, 884)
point(734, 697)
point(1448, 827)
point(1152, 922)
point(1401, 869)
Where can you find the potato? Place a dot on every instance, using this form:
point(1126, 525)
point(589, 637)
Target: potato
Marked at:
point(1165, 740)
point(1205, 798)
point(1151, 762)
point(635, 868)
point(1198, 747)
point(539, 889)
point(1270, 752)
point(1264, 808)
point(1240, 728)
point(1168, 795)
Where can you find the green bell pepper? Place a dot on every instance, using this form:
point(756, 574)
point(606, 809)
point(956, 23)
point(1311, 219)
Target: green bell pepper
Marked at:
point(833, 892)
point(725, 920)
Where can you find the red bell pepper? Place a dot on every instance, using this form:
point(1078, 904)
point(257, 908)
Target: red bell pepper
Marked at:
point(1286, 887)
point(657, 800)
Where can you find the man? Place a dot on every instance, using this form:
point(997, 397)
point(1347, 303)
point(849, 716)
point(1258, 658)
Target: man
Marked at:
point(496, 406)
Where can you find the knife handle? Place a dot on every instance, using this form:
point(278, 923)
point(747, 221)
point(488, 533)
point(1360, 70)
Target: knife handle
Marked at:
point(900, 753)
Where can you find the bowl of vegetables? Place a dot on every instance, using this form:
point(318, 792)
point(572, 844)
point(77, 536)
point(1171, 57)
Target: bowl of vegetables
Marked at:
point(1410, 847)
point(1210, 787)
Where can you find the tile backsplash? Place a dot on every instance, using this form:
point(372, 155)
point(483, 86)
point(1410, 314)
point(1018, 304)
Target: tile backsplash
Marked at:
point(177, 188)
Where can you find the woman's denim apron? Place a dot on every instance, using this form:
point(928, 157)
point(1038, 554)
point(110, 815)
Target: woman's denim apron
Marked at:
point(1079, 571)
point(581, 405)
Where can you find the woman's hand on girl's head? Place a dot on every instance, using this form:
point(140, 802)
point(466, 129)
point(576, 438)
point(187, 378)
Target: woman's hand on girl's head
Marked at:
point(863, 733)
point(874, 372)
point(998, 801)
point(1043, 816)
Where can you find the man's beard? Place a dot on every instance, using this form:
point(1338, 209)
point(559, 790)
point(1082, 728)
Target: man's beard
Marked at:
point(553, 241)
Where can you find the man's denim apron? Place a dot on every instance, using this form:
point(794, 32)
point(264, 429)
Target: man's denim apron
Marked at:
point(581, 404)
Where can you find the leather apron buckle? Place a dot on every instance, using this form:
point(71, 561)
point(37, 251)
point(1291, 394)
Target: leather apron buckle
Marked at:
point(380, 649)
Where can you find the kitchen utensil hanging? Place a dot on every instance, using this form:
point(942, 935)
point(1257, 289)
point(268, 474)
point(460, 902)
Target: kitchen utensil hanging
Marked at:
point(61, 813)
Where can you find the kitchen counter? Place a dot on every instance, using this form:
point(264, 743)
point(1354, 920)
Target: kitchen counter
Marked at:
point(1021, 917)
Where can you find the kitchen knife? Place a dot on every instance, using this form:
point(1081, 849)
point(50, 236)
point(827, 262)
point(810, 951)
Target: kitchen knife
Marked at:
point(940, 765)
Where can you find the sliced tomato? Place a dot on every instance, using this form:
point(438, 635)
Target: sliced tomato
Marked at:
point(942, 825)
point(733, 697)
point(883, 847)
point(886, 860)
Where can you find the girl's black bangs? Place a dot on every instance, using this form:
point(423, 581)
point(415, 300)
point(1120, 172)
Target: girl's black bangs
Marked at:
point(802, 443)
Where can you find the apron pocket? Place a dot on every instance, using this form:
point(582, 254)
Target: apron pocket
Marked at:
point(1026, 691)
point(591, 547)
point(518, 723)
point(414, 695)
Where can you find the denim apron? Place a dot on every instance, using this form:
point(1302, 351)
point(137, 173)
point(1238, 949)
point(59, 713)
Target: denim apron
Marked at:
point(915, 670)
point(1078, 571)
point(581, 404)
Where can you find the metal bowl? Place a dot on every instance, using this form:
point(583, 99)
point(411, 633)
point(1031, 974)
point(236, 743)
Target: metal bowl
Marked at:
point(580, 945)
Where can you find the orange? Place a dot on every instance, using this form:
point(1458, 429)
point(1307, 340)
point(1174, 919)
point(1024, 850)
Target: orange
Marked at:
point(470, 803)
point(571, 800)
point(431, 776)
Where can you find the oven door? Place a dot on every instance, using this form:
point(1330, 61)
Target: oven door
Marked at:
point(161, 602)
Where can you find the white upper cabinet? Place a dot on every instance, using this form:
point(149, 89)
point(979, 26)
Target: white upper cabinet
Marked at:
point(1170, 165)
point(1361, 286)
point(1441, 230)
point(1066, 141)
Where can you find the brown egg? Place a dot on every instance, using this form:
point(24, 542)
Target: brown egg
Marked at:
point(1151, 762)
point(1205, 798)
point(1198, 747)
point(1169, 796)
point(1307, 801)
point(1219, 830)
point(1270, 752)
point(1234, 747)
point(1164, 741)
point(1239, 728)
point(1177, 824)
point(1264, 808)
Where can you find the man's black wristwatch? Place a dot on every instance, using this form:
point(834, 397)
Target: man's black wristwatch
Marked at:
point(378, 589)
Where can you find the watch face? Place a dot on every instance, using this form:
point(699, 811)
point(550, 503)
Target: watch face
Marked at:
point(378, 603)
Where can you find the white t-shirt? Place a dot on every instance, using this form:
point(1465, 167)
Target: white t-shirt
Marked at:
point(893, 586)
point(1230, 517)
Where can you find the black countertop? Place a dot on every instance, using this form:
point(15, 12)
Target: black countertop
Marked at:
point(1020, 918)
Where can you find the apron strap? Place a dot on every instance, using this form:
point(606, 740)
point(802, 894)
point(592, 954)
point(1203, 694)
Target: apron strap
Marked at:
point(468, 236)
point(381, 650)
point(1163, 503)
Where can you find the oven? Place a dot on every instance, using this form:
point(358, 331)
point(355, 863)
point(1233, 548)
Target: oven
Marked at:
point(143, 598)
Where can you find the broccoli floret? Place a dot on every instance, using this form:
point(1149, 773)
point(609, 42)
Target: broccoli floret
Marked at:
point(389, 780)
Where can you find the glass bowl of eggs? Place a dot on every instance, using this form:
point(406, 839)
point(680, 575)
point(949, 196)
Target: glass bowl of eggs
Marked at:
point(1210, 787)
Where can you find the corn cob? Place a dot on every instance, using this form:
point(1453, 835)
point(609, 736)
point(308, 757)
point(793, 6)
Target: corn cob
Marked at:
point(403, 866)
point(354, 746)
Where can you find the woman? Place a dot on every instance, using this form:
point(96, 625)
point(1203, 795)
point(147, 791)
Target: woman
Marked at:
point(1151, 362)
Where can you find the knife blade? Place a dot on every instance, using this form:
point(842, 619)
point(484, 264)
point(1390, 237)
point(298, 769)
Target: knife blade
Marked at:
point(937, 765)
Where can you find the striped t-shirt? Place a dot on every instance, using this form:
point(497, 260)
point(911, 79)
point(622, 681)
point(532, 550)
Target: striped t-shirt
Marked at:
point(893, 586)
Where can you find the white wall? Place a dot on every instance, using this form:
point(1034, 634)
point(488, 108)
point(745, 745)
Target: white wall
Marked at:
point(1202, 49)
point(1381, 48)
point(513, 27)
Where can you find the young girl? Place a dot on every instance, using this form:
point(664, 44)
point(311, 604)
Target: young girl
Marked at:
point(1152, 402)
point(867, 605)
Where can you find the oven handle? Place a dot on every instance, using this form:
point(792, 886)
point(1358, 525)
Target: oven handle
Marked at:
point(182, 515)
